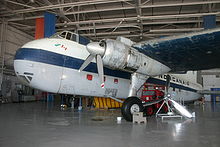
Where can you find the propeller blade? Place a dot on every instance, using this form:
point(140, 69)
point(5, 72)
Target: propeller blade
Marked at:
point(183, 111)
point(86, 62)
point(100, 69)
point(167, 85)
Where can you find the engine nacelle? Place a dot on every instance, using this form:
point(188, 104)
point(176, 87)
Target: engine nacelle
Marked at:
point(121, 56)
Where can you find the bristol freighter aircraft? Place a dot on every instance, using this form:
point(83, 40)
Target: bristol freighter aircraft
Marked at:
point(69, 64)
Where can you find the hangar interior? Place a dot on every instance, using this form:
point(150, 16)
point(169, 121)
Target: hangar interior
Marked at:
point(138, 20)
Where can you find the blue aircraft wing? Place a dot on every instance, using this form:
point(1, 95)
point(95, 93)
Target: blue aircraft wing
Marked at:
point(193, 51)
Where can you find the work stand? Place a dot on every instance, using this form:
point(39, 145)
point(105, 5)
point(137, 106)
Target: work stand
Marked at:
point(169, 114)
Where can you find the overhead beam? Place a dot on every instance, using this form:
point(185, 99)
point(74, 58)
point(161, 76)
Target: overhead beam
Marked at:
point(103, 26)
point(159, 17)
point(106, 33)
point(151, 32)
point(134, 18)
point(58, 12)
point(179, 16)
point(57, 6)
point(137, 35)
point(65, 5)
point(176, 30)
point(20, 4)
point(144, 6)
point(180, 4)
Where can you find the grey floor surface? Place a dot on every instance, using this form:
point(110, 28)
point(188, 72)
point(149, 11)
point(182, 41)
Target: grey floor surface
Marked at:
point(39, 124)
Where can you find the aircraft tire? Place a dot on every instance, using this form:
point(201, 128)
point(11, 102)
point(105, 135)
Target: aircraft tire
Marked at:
point(130, 105)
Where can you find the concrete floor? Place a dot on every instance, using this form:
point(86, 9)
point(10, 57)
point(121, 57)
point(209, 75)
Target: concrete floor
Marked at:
point(39, 124)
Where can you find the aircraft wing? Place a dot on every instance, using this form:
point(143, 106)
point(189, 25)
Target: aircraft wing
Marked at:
point(193, 51)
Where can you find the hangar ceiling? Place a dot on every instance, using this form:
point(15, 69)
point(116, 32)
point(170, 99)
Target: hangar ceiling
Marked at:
point(98, 19)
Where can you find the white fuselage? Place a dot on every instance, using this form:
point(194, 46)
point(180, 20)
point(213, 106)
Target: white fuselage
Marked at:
point(52, 65)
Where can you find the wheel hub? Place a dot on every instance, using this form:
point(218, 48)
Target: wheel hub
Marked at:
point(135, 108)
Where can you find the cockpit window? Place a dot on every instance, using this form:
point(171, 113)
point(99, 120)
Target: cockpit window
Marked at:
point(68, 36)
point(63, 35)
point(72, 36)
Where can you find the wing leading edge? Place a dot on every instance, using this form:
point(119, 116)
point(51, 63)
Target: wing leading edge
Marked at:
point(193, 51)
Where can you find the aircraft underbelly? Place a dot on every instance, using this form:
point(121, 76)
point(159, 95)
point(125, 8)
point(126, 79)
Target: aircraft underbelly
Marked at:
point(78, 83)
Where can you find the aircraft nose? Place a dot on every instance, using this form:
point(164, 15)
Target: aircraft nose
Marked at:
point(23, 69)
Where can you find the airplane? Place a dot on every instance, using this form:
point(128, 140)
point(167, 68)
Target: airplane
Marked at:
point(68, 63)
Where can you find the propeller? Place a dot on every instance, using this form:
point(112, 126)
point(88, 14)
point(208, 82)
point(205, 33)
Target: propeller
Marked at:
point(180, 108)
point(167, 84)
point(183, 111)
point(97, 51)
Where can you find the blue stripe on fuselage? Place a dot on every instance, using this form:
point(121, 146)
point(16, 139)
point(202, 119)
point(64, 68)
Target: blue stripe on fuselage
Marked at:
point(43, 56)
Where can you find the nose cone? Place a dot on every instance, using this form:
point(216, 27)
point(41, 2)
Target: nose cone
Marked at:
point(96, 48)
point(24, 60)
point(23, 69)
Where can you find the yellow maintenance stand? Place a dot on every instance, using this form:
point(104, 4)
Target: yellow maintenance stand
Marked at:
point(106, 103)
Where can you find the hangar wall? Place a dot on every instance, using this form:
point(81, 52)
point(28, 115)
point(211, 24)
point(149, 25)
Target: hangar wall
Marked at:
point(190, 76)
point(211, 79)
point(9, 89)
point(10, 40)
point(13, 39)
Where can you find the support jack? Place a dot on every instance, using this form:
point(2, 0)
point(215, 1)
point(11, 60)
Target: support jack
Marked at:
point(169, 114)
point(180, 108)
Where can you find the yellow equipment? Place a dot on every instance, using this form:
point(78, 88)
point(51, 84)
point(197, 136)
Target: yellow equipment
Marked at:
point(106, 103)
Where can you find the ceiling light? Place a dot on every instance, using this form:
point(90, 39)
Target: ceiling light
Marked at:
point(208, 52)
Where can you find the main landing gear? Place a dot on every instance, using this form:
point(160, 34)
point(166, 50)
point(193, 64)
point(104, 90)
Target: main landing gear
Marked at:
point(131, 105)
point(134, 104)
